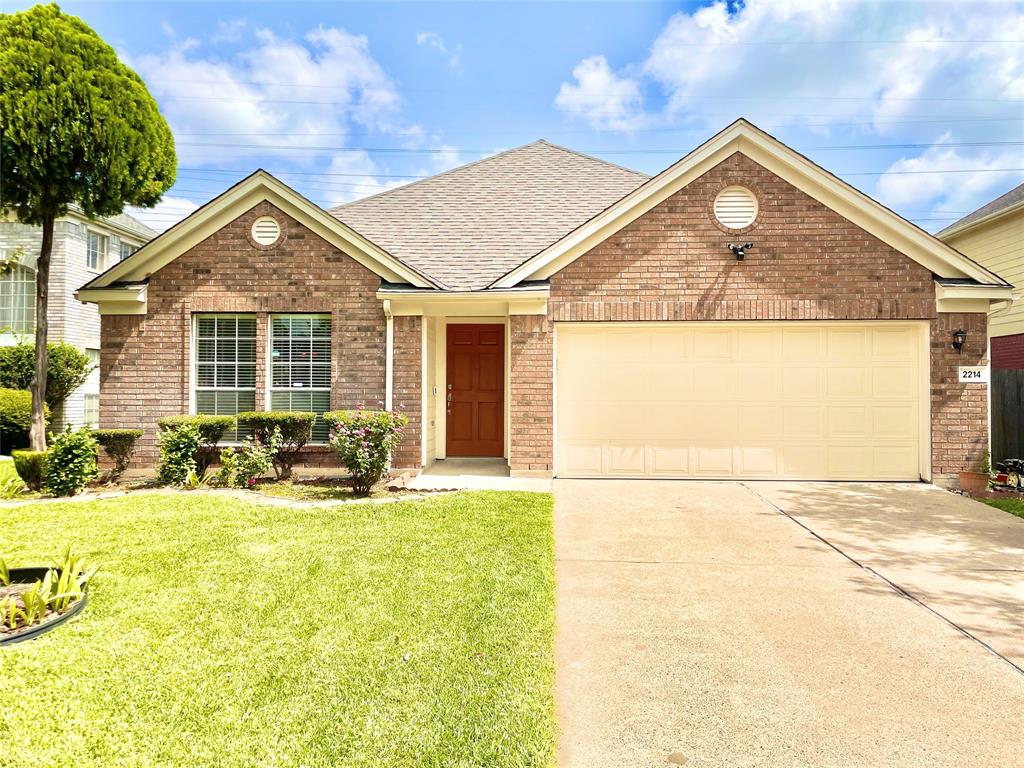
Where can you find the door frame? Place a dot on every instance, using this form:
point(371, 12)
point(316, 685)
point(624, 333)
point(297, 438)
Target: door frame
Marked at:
point(439, 387)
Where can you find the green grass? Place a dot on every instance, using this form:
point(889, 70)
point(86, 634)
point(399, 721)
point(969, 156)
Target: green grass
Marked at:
point(301, 491)
point(1013, 506)
point(223, 633)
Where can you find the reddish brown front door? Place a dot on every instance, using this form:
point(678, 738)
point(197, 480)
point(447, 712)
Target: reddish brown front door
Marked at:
point(476, 390)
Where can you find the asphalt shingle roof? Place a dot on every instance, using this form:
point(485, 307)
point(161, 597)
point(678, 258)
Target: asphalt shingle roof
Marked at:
point(1012, 197)
point(467, 227)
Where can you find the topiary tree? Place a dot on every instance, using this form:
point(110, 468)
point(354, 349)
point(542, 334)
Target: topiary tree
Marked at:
point(79, 127)
point(119, 445)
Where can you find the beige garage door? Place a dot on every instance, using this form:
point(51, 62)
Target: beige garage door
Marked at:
point(793, 400)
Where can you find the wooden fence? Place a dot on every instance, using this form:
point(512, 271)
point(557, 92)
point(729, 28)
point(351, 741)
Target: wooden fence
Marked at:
point(1007, 414)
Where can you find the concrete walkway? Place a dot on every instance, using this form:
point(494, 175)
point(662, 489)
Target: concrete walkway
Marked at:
point(474, 474)
point(697, 625)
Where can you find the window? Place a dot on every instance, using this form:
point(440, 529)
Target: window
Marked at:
point(127, 250)
point(96, 252)
point(300, 366)
point(225, 360)
point(18, 300)
point(92, 410)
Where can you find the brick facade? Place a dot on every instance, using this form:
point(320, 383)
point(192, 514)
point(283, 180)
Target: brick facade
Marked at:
point(1008, 352)
point(146, 360)
point(408, 388)
point(531, 411)
point(807, 263)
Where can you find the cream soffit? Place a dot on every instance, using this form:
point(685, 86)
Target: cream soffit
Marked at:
point(224, 209)
point(497, 303)
point(744, 137)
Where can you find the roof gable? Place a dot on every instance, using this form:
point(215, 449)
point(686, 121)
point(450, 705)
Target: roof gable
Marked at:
point(786, 163)
point(995, 209)
point(225, 208)
point(468, 226)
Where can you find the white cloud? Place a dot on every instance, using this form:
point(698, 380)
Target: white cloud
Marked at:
point(435, 41)
point(164, 214)
point(601, 97)
point(361, 178)
point(816, 62)
point(913, 181)
point(274, 97)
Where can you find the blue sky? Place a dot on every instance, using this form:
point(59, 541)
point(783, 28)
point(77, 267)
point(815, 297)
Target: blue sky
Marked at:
point(343, 100)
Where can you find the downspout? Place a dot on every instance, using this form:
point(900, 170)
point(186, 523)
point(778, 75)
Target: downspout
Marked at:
point(389, 355)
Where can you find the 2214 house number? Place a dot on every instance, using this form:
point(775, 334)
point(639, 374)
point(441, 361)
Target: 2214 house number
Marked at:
point(973, 374)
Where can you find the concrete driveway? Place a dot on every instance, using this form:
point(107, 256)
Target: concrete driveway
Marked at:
point(699, 625)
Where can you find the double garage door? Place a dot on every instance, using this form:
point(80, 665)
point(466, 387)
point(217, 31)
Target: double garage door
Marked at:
point(786, 400)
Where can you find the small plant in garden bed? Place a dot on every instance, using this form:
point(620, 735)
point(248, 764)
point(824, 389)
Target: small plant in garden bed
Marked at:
point(210, 429)
point(365, 442)
point(241, 469)
point(31, 467)
point(119, 445)
point(72, 462)
point(26, 604)
point(294, 427)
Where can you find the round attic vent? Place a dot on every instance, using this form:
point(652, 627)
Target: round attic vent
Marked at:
point(736, 207)
point(266, 230)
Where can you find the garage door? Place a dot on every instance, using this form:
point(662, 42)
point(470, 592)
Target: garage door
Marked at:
point(795, 400)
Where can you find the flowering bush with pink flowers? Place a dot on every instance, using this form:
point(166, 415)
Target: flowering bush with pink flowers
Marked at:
point(365, 441)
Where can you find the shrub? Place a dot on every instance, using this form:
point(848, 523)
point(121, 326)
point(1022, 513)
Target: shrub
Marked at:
point(67, 370)
point(179, 447)
point(16, 417)
point(211, 430)
point(243, 468)
point(72, 462)
point(11, 487)
point(119, 445)
point(31, 467)
point(294, 427)
point(364, 442)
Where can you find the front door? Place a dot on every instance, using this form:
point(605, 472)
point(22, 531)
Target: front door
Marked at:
point(475, 390)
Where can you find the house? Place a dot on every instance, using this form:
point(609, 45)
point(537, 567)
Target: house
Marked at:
point(742, 314)
point(82, 249)
point(993, 236)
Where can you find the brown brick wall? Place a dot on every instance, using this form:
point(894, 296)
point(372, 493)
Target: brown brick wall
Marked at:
point(1008, 352)
point(807, 263)
point(959, 411)
point(530, 405)
point(408, 378)
point(145, 365)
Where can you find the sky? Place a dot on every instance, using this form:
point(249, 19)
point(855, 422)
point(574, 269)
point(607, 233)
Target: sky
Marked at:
point(918, 104)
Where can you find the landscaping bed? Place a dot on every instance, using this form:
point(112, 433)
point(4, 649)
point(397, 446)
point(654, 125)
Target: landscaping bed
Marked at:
point(226, 633)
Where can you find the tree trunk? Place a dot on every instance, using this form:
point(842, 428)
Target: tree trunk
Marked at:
point(37, 434)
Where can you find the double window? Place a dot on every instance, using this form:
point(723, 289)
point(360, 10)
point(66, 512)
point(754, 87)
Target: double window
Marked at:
point(299, 366)
point(96, 251)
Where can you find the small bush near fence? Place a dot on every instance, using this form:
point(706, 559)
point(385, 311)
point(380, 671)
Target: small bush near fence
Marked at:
point(119, 445)
point(72, 462)
point(365, 442)
point(294, 429)
point(31, 467)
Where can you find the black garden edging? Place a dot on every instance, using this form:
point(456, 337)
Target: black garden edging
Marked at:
point(29, 576)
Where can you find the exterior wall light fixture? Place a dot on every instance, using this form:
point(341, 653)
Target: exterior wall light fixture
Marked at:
point(959, 337)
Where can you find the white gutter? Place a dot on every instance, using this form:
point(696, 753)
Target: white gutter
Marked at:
point(389, 355)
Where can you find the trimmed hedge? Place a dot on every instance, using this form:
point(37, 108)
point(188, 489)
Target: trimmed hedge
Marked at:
point(31, 467)
point(119, 445)
point(211, 430)
point(16, 417)
point(296, 428)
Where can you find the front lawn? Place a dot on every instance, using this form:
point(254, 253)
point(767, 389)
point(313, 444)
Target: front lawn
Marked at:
point(1013, 506)
point(223, 633)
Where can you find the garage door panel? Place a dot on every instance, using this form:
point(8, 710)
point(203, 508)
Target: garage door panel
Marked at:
point(812, 400)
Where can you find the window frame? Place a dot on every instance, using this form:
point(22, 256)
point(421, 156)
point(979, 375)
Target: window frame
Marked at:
point(194, 387)
point(121, 250)
point(29, 311)
point(101, 255)
point(270, 389)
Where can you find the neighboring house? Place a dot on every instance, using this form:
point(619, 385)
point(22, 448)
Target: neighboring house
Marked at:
point(743, 314)
point(82, 249)
point(993, 236)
